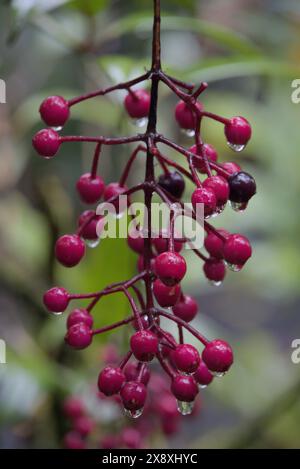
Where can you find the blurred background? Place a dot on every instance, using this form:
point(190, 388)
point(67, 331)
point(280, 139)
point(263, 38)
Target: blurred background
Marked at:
point(249, 52)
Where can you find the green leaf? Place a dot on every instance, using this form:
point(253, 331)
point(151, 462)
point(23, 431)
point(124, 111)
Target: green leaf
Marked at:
point(89, 7)
point(142, 22)
point(221, 68)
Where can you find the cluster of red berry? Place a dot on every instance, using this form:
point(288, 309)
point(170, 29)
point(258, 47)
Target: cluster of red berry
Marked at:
point(161, 266)
point(160, 415)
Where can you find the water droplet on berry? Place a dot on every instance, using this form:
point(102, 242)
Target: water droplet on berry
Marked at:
point(239, 206)
point(233, 267)
point(59, 313)
point(215, 284)
point(218, 374)
point(92, 243)
point(202, 386)
point(220, 209)
point(185, 408)
point(133, 414)
point(58, 128)
point(188, 132)
point(236, 147)
point(140, 122)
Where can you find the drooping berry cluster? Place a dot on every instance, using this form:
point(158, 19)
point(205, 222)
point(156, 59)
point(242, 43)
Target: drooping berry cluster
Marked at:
point(161, 265)
point(86, 428)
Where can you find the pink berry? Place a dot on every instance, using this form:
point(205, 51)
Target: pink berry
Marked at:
point(209, 151)
point(165, 348)
point(56, 299)
point(170, 427)
point(214, 244)
point(214, 270)
point(90, 188)
point(166, 296)
point(184, 115)
point(144, 345)
point(220, 187)
point(137, 104)
point(136, 242)
point(114, 190)
point(46, 142)
point(55, 111)
point(167, 407)
point(79, 336)
point(80, 315)
point(84, 425)
point(132, 371)
point(73, 407)
point(186, 358)
point(184, 388)
point(237, 249)
point(73, 440)
point(206, 197)
point(238, 131)
point(218, 356)
point(186, 308)
point(69, 250)
point(109, 442)
point(231, 167)
point(202, 375)
point(111, 380)
point(133, 395)
point(90, 221)
point(170, 267)
point(131, 438)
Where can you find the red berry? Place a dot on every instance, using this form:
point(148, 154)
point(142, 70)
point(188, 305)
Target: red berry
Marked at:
point(184, 115)
point(79, 336)
point(140, 264)
point(161, 242)
point(184, 388)
point(186, 358)
point(207, 150)
point(113, 190)
point(111, 380)
point(131, 438)
point(166, 296)
point(218, 356)
point(73, 407)
point(56, 299)
point(132, 371)
point(238, 131)
point(207, 197)
point(215, 245)
point(136, 241)
point(170, 267)
point(237, 249)
point(80, 315)
point(173, 183)
point(166, 349)
point(214, 270)
point(220, 187)
point(242, 187)
point(167, 407)
point(170, 427)
point(90, 188)
point(186, 309)
point(231, 167)
point(90, 229)
point(46, 142)
point(69, 250)
point(109, 442)
point(133, 395)
point(144, 345)
point(202, 375)
point(55, 111)
point(84, 425)
point(73, 440)
point(137, 104)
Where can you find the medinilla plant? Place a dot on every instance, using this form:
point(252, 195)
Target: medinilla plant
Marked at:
point(155, 291)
